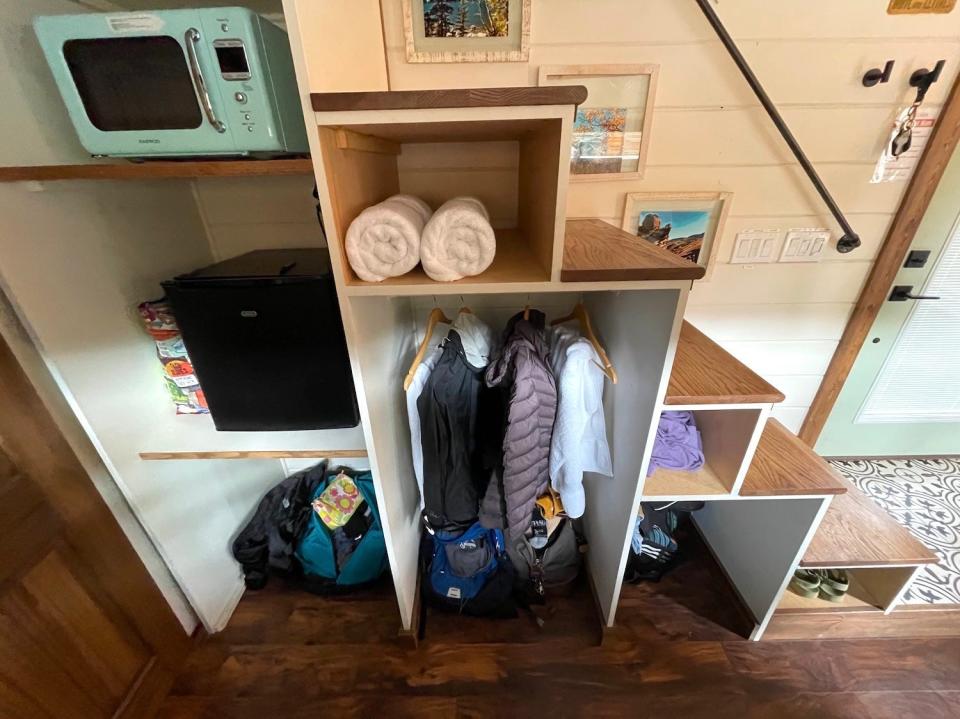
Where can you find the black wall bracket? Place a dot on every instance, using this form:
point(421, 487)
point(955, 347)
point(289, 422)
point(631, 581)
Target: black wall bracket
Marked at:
point(850, 240)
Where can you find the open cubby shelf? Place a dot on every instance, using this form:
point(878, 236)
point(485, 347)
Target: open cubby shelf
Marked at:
point(702, 482)
point(857, 599)
point(515, 263)
point(158, 170)
point(437, 160)
point(728, 441)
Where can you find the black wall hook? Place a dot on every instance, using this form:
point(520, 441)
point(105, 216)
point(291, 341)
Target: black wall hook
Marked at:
point(875, 76)
point(922, 79)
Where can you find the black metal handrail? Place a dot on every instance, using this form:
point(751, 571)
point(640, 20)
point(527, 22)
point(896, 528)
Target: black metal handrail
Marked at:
point(850, 240)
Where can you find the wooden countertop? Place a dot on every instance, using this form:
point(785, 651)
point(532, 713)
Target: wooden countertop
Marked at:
point(857, 532)
point(475, 97)
point(785, 466)
point(596, 251)
point(705, 373)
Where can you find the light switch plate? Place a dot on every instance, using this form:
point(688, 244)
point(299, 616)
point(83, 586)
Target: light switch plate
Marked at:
point(754, 246)
point(805, 244)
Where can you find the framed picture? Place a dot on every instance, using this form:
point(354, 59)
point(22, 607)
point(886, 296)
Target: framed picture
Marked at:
point(467, 30)
point(688, 224)
point(611, 132)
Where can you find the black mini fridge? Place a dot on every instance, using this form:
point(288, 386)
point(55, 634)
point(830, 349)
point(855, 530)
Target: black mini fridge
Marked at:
point(264, 334)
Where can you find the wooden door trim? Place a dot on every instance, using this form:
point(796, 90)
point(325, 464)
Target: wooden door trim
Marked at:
point(913, 207)
point(106, 565)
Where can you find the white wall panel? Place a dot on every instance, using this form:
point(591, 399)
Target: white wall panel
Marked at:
point(722, 322)
point(709, 133)
point(793, 283)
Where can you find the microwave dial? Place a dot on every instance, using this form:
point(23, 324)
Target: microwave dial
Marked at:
point(232, 57)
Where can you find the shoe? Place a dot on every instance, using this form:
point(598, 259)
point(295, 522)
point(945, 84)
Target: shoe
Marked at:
point(834, 584)
point(806, 583)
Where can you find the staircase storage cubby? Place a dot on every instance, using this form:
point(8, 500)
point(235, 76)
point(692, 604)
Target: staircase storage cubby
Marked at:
point(729, 437)
point(509, 157)
point(369, 146)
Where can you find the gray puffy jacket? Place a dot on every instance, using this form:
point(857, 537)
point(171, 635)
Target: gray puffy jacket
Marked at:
point(522, 367)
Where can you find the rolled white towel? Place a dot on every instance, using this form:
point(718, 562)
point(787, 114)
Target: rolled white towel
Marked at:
point(458, 240)
point(384, 240)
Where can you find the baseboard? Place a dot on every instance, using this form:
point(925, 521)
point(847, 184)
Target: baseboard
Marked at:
point(606, 633)
point(412, 635)
point(229, 607)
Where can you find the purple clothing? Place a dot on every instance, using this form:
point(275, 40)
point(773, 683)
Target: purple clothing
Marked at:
point(678, 444)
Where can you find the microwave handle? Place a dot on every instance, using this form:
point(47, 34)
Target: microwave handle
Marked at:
point(192, 37)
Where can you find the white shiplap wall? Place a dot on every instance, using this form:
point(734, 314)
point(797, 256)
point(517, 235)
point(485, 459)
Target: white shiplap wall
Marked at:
point(710, 133)
point(257, 213)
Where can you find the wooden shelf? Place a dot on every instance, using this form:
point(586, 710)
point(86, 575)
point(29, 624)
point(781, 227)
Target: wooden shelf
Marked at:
point(857, 532)
point(158, 170)
point(475, 97)
point(256, 454)
point(514, 264)
point(705, 373)
point(680, 483)
point(784, 466)
point(596, 251)
point(194, 437)
point(857, 599)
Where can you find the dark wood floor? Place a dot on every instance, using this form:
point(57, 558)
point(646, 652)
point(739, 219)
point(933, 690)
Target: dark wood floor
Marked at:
point(678, 652)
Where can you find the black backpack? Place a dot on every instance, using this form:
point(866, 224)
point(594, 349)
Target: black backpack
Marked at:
point(550, 570)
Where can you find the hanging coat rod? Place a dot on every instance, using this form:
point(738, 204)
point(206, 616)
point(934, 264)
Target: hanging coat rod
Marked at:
point(850, 240)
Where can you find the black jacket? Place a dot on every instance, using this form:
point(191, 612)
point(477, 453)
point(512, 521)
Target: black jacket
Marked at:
point(461, 427)
point(268, 541)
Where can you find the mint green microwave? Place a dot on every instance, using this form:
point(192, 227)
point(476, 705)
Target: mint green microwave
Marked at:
point(176, 83)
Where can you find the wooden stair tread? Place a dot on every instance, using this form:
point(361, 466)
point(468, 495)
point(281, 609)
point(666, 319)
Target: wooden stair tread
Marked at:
point(784, 466)
point(471, 97)
point(596, 251)
point(705, 373)
point(857, 532)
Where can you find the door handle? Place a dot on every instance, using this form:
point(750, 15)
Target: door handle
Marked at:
point(192, 37)
point(902, 293)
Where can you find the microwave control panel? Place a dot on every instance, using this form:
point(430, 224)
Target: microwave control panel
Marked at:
point(243, 82)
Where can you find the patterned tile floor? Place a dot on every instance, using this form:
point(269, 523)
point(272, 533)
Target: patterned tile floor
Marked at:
point(924, 496)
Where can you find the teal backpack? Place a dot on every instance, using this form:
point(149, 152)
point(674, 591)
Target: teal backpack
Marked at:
point(317, 553)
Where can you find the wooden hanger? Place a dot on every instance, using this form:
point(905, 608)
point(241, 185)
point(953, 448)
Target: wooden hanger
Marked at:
point(579, 313)
point(436, 316)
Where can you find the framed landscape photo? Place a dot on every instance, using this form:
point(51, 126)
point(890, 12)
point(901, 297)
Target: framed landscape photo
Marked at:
point(611, 131)
point(688, 224)
point(467, 30)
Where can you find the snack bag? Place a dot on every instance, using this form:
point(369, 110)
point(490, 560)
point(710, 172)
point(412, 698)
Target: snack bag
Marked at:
point(178, 375)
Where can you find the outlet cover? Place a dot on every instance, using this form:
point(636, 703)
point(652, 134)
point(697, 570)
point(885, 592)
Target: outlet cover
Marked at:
point(753, 246)
point(804, 244)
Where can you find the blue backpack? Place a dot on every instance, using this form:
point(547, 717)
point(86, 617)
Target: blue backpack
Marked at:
point(316, 549)
point(470, 572)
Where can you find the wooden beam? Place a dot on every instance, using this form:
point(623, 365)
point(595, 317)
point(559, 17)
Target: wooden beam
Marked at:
point(916, 200)
point(350, 140)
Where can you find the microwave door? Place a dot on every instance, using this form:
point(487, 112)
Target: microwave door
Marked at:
point(134, 84)
point(153, 88)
